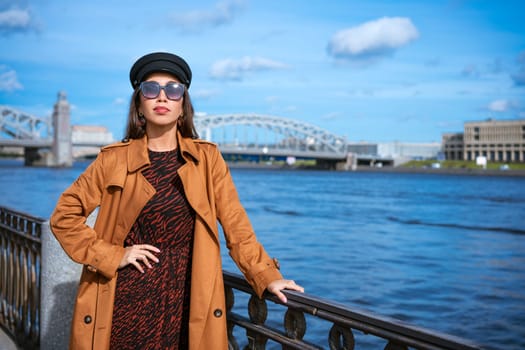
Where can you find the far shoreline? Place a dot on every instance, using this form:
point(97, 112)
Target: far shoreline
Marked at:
point(363, 169)
point(385, 169)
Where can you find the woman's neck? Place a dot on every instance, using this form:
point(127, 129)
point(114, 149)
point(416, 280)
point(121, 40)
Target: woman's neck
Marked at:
point(161, 141)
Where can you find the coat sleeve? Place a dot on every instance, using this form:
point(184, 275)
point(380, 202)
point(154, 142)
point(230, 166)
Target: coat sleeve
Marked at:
point(249, 255)
point(68, 222)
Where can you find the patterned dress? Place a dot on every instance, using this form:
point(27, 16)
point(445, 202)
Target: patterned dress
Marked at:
point(152, 309)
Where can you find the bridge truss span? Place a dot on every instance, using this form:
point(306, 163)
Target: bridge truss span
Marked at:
point(22, 126)
point(289, 135)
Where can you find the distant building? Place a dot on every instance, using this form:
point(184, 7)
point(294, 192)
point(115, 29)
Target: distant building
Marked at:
point(497, 140)
point(452, 144)
point(363, 148)
point(91, 134)
point(87, 139)
point(396, 149)
point(394, 152)
point(409, 150)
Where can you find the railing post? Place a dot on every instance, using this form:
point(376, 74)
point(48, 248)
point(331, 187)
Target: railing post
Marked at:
point(59, 286)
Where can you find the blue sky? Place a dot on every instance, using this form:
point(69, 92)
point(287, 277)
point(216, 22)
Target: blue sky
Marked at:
point(368, 70)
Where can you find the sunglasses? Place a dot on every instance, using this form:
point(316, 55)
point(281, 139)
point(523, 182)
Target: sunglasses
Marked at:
point(151, 89)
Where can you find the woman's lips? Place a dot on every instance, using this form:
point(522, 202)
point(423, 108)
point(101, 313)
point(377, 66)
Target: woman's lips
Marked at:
point(161, 110)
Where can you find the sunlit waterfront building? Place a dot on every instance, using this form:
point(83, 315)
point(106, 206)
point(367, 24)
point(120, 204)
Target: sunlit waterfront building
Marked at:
point(397, 152)
point(82, 135)
point(497, 140)
point(452, 144)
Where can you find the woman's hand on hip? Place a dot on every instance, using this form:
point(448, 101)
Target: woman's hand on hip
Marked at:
point(137, 254)
point(275, 287)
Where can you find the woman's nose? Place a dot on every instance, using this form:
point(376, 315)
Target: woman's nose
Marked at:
point(162, 95)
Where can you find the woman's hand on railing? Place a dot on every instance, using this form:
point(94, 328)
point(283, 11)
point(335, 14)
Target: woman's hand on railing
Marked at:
point(275, 287)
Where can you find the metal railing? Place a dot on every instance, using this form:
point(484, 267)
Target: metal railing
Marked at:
point(20, 259)
point(21, 243)
point(342, 320)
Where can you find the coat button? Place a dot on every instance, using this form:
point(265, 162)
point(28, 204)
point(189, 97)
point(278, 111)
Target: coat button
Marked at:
point(217, 313)
point(87, 319)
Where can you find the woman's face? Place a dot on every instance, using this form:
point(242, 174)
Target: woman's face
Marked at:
point(161, 112)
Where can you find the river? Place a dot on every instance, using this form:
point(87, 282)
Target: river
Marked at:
point(443, 252)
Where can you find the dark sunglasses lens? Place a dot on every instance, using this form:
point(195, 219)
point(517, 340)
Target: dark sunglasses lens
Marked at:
point(150, 89)
point(174, 91)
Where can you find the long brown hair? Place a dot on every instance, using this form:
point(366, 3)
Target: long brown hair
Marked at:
point(136, 129)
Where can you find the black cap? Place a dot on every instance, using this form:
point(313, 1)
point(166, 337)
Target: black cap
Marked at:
point(160, 62)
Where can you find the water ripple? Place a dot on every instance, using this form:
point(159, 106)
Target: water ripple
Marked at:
point(275, 210)
point(459, 226)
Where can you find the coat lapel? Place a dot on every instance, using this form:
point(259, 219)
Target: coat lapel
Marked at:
point(136, 190)
point(195, 187)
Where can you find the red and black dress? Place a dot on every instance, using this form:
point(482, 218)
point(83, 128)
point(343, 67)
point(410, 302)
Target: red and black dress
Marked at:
point(152, 308)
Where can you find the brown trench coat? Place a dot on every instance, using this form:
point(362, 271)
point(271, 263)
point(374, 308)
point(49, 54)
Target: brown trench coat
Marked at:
point(114, 184)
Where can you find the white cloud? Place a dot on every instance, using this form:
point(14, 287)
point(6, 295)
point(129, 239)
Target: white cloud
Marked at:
point(235, 69)
point(499, 106)
point(204, 94)
point(9, 80)
point(505, 106)
point(120, 101)
point(223, 13)
point(14, 20)
point(373, 39)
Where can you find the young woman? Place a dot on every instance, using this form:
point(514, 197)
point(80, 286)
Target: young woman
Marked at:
point(152, 276)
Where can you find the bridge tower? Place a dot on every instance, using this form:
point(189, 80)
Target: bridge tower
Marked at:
point(62, 146)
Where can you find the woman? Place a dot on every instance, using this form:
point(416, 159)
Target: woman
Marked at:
point(152, 276)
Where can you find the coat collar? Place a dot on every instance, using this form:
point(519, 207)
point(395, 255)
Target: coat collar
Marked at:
point(138, 152)
point(187, 148)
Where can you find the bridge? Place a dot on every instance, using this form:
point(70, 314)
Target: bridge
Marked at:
point(47, 141)
point(259, 137)
point(34, 134)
